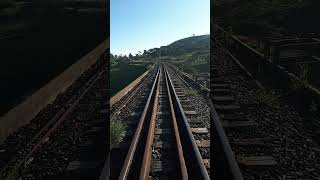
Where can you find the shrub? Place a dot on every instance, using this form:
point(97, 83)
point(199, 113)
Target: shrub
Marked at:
point(302, 81)
point(117, 131)
point(264, 98)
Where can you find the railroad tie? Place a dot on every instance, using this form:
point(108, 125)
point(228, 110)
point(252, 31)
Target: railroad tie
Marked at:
point(200, 130)
point(162, 145)
point(203, 143)
point(257, 161)
point(179, 87)
point(232, 117)
point(161, 113)
point(163, 95)
point(145, 94)
point(190, 113)
point(235, 124)
point(187, 106)
point(181, 95)
point(220, 86)
point(161, 107)
point(180, 92)
point(163, 121)
point(162, 166)
point(223, 100)
point(184, 100)
point(220, 92)
point(227, 108)
point(254, 142)
point(82, 166)
point(162, 101)
point(163, 131)
point(142, 96)
point(198, 120)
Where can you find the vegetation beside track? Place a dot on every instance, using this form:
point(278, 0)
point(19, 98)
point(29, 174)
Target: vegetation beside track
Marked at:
point(190, 55)
point(193, 63)
point(269, 18)
point(123, 73)
point(117, 131)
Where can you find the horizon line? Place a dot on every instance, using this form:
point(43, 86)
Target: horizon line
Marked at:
point(124, 54)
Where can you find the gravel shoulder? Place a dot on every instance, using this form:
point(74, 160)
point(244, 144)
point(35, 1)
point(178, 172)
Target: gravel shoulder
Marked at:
point(283, 128)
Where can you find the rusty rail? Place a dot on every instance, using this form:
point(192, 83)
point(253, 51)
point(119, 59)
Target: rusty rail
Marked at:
point(227, 166)
point(183, 168)
point(196, 167)
point(141, 146)
point(145, 169)
point(133, 146)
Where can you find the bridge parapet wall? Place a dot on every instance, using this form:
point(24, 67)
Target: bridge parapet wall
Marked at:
point(28, 109)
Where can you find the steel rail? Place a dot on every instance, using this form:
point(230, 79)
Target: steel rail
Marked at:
point(183, 168)
point(128, 161)
point(228, 167)
point(223, 155)
point(145, 168)
point(202, 171)
point(105, 173)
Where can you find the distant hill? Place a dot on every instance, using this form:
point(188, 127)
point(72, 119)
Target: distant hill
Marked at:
point(190, 54)
point(179, 47)
point(192, 43)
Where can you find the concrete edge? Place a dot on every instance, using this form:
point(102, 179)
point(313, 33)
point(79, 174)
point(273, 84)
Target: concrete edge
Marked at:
point(28, 109)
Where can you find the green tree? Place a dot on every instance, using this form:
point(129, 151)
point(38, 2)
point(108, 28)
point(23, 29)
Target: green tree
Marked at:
point(130, 56)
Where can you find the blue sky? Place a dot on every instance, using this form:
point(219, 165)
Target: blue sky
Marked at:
point(138, 25)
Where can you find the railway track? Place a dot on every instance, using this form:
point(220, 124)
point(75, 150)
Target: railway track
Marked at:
point(55, 147)
point(162, 137)
point(128, 110)
point(256, 129)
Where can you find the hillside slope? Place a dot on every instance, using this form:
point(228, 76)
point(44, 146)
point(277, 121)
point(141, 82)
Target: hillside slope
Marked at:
point(191, 43)
point(182, 46)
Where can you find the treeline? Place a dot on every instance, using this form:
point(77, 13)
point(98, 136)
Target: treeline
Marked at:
point(177, 48)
